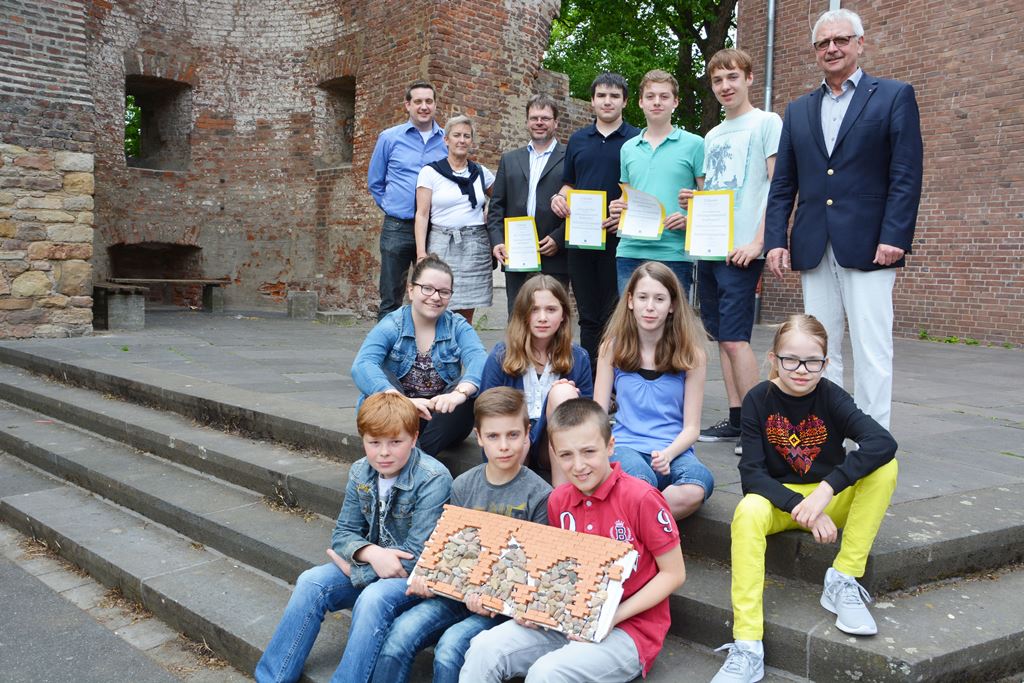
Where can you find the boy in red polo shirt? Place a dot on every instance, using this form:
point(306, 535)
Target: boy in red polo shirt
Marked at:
point(599, 499)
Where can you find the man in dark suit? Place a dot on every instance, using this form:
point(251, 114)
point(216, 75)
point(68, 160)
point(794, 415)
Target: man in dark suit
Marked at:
point(526, 179)
point(852, 150)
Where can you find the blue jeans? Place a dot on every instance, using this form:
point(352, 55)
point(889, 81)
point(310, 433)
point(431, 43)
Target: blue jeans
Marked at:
point(447, 623)
point(624, 268)
point(397, 254)
point(686, 468)
point(326, 589)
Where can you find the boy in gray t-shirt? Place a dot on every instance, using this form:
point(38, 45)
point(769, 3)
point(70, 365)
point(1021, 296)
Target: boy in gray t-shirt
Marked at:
point(524, 497)
point(500, 485)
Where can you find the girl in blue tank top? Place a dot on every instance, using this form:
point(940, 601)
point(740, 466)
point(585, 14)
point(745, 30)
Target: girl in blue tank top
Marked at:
point(653, 358)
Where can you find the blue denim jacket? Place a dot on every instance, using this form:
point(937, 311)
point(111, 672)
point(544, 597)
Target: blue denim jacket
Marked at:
point(410, 515)
point(391, 345)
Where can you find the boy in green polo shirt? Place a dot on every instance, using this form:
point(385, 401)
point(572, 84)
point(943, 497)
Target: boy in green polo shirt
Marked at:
point(660, 161)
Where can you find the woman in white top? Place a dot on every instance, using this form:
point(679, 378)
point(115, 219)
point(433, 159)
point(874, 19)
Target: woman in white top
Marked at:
point(451, 195)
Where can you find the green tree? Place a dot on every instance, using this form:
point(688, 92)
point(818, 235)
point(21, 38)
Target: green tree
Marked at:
point(633, 36)
point(132, 127)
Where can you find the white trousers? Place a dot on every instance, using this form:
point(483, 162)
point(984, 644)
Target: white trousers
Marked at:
point(863, 299)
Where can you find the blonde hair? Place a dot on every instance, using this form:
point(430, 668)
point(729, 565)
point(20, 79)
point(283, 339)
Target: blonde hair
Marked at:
point(798, 322)
point(681, 346)
point(517, 334)
point(659, 76)
point(455, 121)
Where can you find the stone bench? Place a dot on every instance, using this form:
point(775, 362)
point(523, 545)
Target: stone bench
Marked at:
point(118, 306)
point(213, 295)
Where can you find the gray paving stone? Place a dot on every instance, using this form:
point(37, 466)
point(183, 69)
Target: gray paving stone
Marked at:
point(46, 639)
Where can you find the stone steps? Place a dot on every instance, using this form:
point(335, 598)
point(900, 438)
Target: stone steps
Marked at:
point(297, 424)
point(214, 599)
point(211, 486)
point(921, 540)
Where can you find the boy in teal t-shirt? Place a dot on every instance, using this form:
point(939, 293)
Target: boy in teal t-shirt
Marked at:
point(661, 161)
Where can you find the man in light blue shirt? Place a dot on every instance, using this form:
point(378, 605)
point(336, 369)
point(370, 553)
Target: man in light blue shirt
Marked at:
point(400, 153)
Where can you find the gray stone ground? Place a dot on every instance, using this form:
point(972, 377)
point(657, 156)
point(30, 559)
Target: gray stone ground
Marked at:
point(61, 625)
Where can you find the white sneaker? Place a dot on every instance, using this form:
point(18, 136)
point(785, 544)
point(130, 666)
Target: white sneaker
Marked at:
point(741, 666)
point(845, 598)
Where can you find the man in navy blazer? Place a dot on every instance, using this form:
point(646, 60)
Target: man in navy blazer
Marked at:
point(852, 151)
point(526, 179)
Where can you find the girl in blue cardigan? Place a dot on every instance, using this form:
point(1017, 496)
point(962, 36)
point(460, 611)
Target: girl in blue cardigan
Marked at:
point(539, 358)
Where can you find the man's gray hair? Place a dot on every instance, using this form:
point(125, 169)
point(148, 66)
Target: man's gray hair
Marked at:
point(835, 16)
point(456, 120)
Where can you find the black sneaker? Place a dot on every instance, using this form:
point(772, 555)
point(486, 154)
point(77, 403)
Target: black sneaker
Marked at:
point(723, 431)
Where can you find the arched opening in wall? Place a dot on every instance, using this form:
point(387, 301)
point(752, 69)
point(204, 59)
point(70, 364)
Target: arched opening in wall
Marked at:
point(158, 123)
point(335, 121)
point(163, 261)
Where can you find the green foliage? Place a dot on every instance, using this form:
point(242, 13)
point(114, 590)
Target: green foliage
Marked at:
point(632, 37)
point(132, 127)
point(971, 341)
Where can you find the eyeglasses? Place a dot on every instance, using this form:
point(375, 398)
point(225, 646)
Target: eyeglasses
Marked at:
point(541, 119)
point(790, 364)
point(429, 291)
point(840, 42)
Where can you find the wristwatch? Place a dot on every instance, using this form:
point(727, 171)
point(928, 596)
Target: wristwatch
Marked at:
point(465, 392)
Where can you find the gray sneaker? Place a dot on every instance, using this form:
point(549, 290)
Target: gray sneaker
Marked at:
point(741, 666)
point(845, 598)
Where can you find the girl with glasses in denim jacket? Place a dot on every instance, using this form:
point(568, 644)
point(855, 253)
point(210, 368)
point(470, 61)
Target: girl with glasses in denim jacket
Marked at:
point(429, 354)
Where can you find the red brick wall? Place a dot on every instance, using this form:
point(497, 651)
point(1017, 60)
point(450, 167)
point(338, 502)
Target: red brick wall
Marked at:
point(255, 196)
point(966, 275)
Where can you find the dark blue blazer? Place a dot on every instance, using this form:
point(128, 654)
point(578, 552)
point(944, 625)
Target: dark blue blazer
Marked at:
point(865, 194)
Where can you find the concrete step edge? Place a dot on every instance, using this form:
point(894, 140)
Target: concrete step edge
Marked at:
point(296, 478)
point(919, 636)
point(216, 528)
point(920, 541)
point(297, 423)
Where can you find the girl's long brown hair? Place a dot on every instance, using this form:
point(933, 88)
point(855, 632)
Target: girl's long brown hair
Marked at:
point(798, 322)
point(517, 334)
point(681, 346)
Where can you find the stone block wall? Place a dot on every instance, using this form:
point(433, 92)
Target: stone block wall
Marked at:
point(46, 170)
point(966, 275)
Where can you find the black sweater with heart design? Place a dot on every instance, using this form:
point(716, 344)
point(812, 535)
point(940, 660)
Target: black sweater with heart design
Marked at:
point(799, 440)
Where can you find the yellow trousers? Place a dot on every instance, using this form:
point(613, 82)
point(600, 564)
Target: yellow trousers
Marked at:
point(858, 510)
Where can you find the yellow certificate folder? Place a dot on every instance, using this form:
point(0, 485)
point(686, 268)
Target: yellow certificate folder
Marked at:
point(522, 245)
point(709, 224)
point(588, 210)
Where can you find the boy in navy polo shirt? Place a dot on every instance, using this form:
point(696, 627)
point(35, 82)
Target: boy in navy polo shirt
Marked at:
point(599, 499)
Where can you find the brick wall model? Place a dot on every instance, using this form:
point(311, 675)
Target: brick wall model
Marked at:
point(966, 275)
point(267, 193)
point(46, 170)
